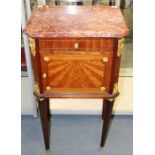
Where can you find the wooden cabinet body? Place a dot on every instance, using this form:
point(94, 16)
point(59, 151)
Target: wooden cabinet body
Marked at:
point(62, 70)
point(75, 62)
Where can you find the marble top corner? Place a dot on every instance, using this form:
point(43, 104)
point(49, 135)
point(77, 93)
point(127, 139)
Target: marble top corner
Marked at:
point(76, 21)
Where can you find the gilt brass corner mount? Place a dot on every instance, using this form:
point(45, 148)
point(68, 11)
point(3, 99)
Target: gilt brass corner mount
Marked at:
point(115, 89)
point(36, 88)
point(120, 46)
point(32, 46)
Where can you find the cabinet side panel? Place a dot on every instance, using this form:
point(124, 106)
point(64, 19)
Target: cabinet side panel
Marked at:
point(36, 66)
point(115, 67)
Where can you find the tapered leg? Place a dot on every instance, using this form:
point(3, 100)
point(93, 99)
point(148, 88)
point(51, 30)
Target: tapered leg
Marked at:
point(79, 3)
point(49, 114)
point(44, 117)
point(103, 110)
point(106, 115)
point(112, 2)
point(57, 2)
point(94, 2)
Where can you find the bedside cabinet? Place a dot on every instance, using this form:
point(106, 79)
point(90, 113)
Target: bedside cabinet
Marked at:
point(76, 53)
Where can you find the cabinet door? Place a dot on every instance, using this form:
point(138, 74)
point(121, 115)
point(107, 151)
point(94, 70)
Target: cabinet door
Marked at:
point(68, 73)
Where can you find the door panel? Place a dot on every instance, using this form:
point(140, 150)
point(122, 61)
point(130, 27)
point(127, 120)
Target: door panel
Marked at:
point(76, 72)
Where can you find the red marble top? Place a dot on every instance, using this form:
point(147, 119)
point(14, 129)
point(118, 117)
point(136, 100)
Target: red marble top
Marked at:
point(76, 21)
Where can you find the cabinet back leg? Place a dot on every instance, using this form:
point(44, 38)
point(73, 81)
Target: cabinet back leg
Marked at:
point(106, 116)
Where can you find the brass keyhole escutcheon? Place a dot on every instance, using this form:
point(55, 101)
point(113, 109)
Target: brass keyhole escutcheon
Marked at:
point(76, 46)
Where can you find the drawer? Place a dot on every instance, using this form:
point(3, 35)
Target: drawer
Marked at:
point(78, 72)
point(79, 44)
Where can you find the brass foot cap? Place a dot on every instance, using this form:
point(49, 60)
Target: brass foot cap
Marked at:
point(101, 148)
point(48, 151)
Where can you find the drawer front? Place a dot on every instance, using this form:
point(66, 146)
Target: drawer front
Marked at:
point(87, 45)
point(76, 72)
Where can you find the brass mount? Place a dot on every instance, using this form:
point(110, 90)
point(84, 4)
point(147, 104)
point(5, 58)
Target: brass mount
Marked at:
point(120, 46)
point(105, 59)
point(36, 88)
point(46, 58)
point(32, 46)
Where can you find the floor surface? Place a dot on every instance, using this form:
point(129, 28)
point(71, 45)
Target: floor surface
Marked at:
point(77, 135)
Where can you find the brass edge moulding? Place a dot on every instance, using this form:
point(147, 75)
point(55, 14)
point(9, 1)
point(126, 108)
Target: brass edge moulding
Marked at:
point(108, 96)
point(120, 46)
point(36, 88)
point(32, 46)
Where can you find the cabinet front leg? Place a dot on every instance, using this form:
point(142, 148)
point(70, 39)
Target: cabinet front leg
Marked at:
point(106, 116)
point(103, 110)
point(44, 117)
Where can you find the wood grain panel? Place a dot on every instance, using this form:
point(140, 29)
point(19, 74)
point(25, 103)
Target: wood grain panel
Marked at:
point(65, 44)
point(76, 71)
point(75, 74)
